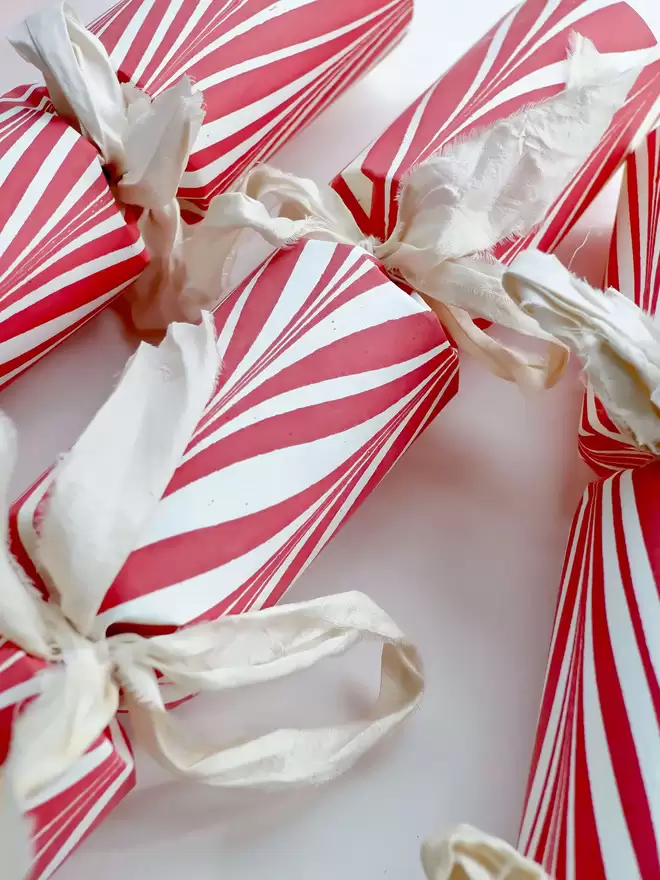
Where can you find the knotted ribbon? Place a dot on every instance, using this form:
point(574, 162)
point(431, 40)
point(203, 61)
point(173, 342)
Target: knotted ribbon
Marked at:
point(616, 342)
point(453, 209)
point(99, 499)
point(144, 144)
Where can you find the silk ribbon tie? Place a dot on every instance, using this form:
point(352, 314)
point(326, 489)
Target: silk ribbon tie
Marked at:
point(454, 208)
point(99, 500)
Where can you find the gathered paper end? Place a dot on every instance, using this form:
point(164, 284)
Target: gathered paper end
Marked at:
point(617, 344)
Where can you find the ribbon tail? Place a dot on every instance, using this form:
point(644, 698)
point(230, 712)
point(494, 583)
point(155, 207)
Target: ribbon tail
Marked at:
point(457, 290)
point(468, 854)
point(103, 493)
point(503, 361)
point(260, 646)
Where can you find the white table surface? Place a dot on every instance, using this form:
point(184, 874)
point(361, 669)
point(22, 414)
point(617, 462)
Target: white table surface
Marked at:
point(462, 543)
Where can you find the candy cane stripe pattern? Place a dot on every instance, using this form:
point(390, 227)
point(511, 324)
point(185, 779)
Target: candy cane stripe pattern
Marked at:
point(63, 814)
point(65, 248)
point(266, 69)
point(593, 805)
point(330, 372)
point(634, 270)
point(519, 62)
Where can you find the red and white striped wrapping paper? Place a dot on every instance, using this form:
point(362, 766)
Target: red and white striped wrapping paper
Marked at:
point(521, 60)
point(593, 799)
point(634, 270)
point(69, 809)
point(266, 68)
point(65, 248)
point(330, 372)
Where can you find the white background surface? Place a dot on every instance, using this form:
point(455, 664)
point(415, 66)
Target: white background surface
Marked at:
point(462, 543)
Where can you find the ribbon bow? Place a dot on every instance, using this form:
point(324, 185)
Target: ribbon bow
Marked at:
point(144, 144)
point(453, 209)
point(98, 502)
point(617, 343)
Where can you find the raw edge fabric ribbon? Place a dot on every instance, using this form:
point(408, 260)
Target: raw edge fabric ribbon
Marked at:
point(468, 854)
point(617, 343)
point(453, 209)
point(144, 144)
point(100, 498)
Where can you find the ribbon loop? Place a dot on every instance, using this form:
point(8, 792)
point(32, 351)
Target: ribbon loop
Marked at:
point(258, 647)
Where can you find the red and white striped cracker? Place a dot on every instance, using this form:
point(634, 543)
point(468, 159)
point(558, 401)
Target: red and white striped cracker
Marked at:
point(521, 60)
point(65, 248)
point(266, 68)
point(330, 372)
point(70, 808)
point(634, 269)
point(593, 799)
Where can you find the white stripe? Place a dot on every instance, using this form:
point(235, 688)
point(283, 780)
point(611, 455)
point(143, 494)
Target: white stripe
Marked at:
point(315, 394)
point(312, 261)
point(219, 129)
point(106, 797)
point(31, 339)
point(630, 670)
point(255, 484)
point(375, 462)
point(168, 14)
point(94, 233)
point(646, 589)
point(50, 168)
point(183, 40)
point(20, 692)
point(641, 208)
point(179, 603)
point(85, 765)
point(545, 772)
point(130, 34)
point(257, 61)
point(14, 657)
point(78, 273)
point(13, 156)
point(615, 845)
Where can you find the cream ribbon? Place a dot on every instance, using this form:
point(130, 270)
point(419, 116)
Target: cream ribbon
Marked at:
point(144, 144)
point(617, 343)
point(468, 854)
point(453, 209)
point(100, 498)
